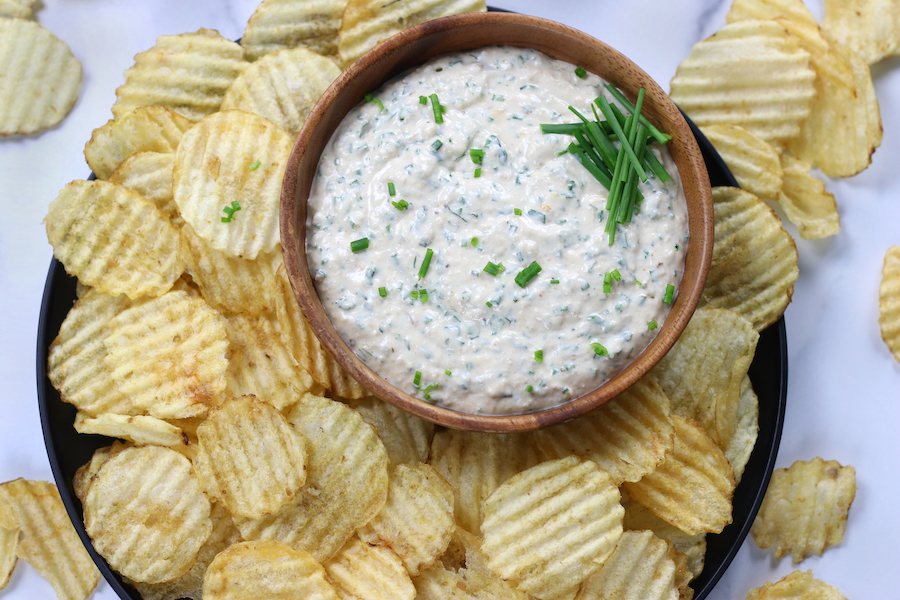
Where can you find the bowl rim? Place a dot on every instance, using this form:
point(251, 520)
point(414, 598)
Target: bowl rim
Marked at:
point(413, 47)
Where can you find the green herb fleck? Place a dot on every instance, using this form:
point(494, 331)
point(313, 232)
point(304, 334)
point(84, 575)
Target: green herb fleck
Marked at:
point(652, 325)
point(382, 292)
point(370, 98)
point(400, 204)
point(437, 109)
point(448, 372)
point(477, 172)
point(391, 190)
point(580, 73)
point(599, 350)
point(417, 379)
point(529, 389)
point(670, 291)
point(437, 144)
point(426, 263)
point(475, 241)
point(255, 165)
point(493, 269)
point(477, 155)
point(423, 296)
point(554, 281)
point(518, 211)
point(528, 273)
point(539, 356)
point(359, 245)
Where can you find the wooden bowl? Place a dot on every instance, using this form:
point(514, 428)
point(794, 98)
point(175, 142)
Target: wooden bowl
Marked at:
point(463, 32)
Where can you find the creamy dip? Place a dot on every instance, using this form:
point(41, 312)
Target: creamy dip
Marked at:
point(459, 336)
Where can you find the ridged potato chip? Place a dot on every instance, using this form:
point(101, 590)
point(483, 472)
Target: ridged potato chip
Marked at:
point(805, 508)
point(41, 78)
point(869, 27)
point(282, 86)
point(795, 10)
point(465, 560)
point(626, 437)
point(114, 240)
point(692, 488)
point(366, 23)
point(168, 355)
point(796, 586)
point(754, 263)
point(752, 74)
point(232, 160)
point(250, 458)
point(266, 570)
point(150, 175)
point(439, 583)
point(187, 73)
point(49, 542)
point(144, 129)
point(85, 473)
point(17, 8)
point(746, 430)
point(475, 465)
point(361, 571)
point(138, 429)
point(346, 485)
point(9, 543)
point(146, 514)
point(639, 567)
point(752, 161)
point(805, 201)
point(406, 437)
point(278, 24)
point(703, 371)
point(889, 301)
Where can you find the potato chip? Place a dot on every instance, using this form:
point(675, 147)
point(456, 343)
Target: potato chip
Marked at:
point(364, 572)
point(17, 8)
point(138, 429)
point(753, 162)
point(475, 464)
point(627, 437)
point(805, 201)
point(187, 73)
point(49, 542)
point(439, 583)
point(282, 86)
point(692, 488)
point(417, 521)
point(260, 361)
point(227, 181)
point(144, 129)
point(250, 458)
point(869, 27)
point(752, 74)
point(889, 301)
point(703, 371)
point(754, 263)
point(548, 528)
point(746, 430)
point(150, 175)
point(465, 559)
point(346, 485)
point(85, 473)
point(114, 240)
point(146, 514)
point(639, 567)
point(796, 586)
point(805, 508)
point(795, 10)
point(266, 570)
point(41, 78)
point(406, 437)
point(367, 23)
point(168, 355)
point(10, 536)
point(278, 24)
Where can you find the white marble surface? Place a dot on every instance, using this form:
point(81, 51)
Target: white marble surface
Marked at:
point(843, 399)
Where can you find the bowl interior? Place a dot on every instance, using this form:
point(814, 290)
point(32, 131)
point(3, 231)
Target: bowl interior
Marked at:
point(464, 32)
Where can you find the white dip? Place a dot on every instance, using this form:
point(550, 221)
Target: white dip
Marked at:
point(474, 340)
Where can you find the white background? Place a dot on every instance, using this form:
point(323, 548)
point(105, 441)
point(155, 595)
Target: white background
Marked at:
point(843, 399)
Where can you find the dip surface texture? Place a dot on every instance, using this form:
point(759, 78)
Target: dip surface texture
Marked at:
point(481, 343)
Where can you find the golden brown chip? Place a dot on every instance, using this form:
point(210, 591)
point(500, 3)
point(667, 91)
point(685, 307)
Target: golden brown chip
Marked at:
point(114, 240)
point(10, 536)
point(41, 78)
point(640, 567)
point(476, 464)
point(232, 160)
point(17, 8)
point(439, 583)
point(869, 27)
point(627, 437)
point(548, 528)
point(746, 429)
point(889, 301)
point(150, 175)
point(85, 473)
point(703, 371)
point(250, 458)
point(187, 73)
point(266, 570)
point(795, 10)
point(168, 355)
point(138, 429)
point(146, 514)
point(692, 488)
point(367, 23)
point(805, 201)
point(753, 162)
point(750, 73)
point(754, 264)
point(364, 572)
point(145, 129)
point(278, 24)
point(346, 485)
point(805, 508)
point(49, 542)
point(796, 586)
point(406, 437)
point(282, 86)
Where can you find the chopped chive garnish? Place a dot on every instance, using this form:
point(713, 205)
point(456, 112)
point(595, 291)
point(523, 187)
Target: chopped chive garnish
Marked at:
point(448, 372)
point(400, 204)
point(607, 283)
point(475, 241)
point(489, 304)
point(529, 389)
point(423, 100)
point(229, 211)
point(391, 190)
point(599, 350)
point(370, 98)
point(358, 245)
point(477, 172)
point(615, 275)
point(670, 291)
point(580, 73)
point(226, 219)
point(536, 214)
point(437, 109)
point(414, 294)
point(612, 120)
point(652, 325)
point(539, 356)
point(477, 155)
point(569, 128)
point(658, 135)
point(255, 165)
point(493, 269)
point(431, 386)
point(423, 296)
point(417, 379)
point(382, 292)
point(437, 144)
point(639, 283)
point(426, 263)
point(527, 274)
point(517, 211)
point(554, 281)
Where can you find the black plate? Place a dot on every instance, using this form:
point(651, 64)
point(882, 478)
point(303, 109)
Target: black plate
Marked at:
point(68, 449)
